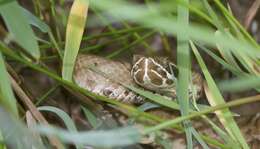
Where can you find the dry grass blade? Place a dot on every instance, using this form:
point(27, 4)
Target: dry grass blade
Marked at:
point(251, 13)
point(31, 123)
point(27, 101)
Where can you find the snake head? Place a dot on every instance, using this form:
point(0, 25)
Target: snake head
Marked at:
point(155, 74)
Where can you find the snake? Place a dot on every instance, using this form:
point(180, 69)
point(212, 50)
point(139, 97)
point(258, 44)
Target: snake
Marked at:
point(156, 74)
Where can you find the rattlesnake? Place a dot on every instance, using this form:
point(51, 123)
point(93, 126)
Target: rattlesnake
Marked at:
point(154, 74)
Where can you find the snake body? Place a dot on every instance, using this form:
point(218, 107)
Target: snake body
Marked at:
point(94, 81)
point(154, 74)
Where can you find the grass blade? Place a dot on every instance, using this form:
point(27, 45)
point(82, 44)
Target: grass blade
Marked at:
point(63, 115)
point(74, 32)
point(90, 116)
point(8, 99)
point(110, 138)
point(225, 116)
point(183, 64)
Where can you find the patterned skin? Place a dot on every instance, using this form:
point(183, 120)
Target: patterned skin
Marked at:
point(157, 74)
point(102, 76)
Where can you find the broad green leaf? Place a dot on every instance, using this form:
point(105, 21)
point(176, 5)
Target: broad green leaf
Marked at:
point(8, 99)
point(33, 20)
point(74, 32)
point(18, 25)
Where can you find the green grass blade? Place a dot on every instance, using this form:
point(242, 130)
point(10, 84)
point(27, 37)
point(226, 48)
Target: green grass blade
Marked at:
point(183, 64)
point(74, 32)
point(18, 25)
point(225, 116)
point(8, 99)
point(221, 61)
point(227, 54)
point(61, 114)
point(199, 139)
point(213, 15)
point(90, 117)
point(139, 40)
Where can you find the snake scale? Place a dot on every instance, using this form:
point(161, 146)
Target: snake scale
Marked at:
point(151, 73)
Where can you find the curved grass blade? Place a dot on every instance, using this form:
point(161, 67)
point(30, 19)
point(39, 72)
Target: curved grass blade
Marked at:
point(18, 25)
point(64, 116)
point(74, 32)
